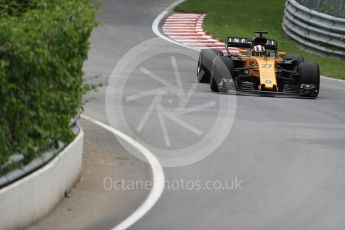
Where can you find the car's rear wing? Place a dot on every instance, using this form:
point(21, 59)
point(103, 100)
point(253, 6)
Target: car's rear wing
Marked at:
point(247, 43)
point(238, 42)
point(271, 45)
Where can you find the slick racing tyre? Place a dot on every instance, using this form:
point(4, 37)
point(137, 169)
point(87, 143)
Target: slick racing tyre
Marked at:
point(221, 74)
point(205, 64)
point(309, 74)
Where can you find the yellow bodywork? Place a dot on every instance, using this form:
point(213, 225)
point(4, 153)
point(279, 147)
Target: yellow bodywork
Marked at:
point(265, 69)
point(267, 72)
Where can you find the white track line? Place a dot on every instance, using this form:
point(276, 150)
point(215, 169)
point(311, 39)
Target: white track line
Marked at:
point(158, 178)
point(334, 79)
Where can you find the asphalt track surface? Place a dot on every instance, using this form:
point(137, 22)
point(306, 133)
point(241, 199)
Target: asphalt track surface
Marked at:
point(287, 153)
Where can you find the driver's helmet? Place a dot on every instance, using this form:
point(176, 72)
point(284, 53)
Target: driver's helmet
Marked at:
point(258, 50)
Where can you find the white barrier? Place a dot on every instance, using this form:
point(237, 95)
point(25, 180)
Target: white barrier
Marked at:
point(34, 196)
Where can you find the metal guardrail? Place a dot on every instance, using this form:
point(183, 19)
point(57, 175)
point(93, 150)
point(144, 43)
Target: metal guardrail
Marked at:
point(331, 7)
point(314, 30)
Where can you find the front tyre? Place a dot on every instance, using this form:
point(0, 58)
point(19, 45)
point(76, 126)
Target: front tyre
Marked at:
point(205, 64)
point(309, 74)
point(221, 74)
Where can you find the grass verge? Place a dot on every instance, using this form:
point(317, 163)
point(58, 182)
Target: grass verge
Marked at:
point(242, 18)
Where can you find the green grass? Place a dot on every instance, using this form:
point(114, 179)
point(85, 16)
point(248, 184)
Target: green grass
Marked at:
point(242, 18)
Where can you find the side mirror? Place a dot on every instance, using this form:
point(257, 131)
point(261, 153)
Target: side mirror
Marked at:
point(281, 54)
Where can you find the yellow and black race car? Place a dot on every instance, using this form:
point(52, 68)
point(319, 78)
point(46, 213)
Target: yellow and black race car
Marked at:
point(258, 68)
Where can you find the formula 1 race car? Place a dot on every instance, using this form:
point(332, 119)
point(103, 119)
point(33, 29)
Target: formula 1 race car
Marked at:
point(258, 68)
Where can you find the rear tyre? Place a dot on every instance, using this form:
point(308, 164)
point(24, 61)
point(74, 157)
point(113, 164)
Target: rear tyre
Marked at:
point(205, 64)
point(221, 74)
point(309, 74)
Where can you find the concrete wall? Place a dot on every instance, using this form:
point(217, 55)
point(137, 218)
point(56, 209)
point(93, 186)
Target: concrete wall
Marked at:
point(34, 196)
